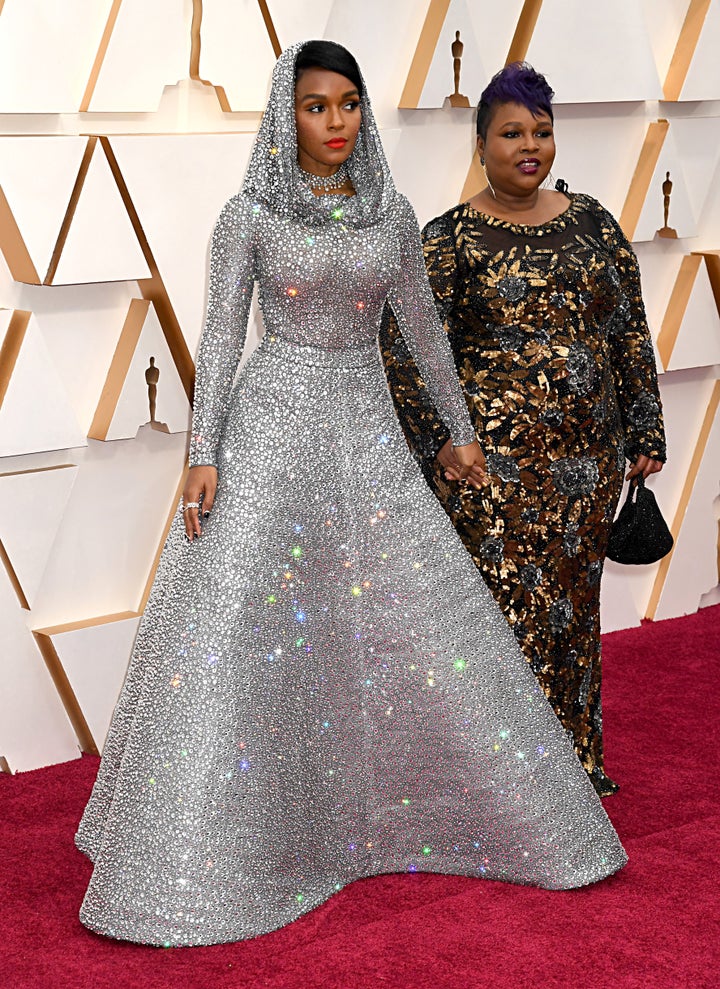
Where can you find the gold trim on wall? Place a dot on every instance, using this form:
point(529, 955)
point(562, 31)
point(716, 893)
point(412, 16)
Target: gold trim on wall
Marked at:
point(524, 31)
point(13, 578)
point(10, 348)
point(100, 56)
point(642, 176)
point(119, 366)
point(21, 265)
point(70, 211)
point(684, 500)
point(685, 49)
point(161, 542)
point(272, 33)
point(153, 289)
point(66, 693)
point(677, 306)
point(427, 43)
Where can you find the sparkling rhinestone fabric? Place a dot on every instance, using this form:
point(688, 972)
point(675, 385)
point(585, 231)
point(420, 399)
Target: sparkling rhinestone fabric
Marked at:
point(322, 687)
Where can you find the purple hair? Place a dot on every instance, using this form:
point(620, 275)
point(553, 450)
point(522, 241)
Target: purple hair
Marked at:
point(519, 83)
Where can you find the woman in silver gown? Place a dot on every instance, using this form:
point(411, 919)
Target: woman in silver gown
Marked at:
point(322, 687)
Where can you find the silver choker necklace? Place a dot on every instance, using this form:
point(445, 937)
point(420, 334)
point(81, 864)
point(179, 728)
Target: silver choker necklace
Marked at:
point(328, 183)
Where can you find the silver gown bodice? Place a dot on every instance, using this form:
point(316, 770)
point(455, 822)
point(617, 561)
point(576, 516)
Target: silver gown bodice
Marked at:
point(322, 286)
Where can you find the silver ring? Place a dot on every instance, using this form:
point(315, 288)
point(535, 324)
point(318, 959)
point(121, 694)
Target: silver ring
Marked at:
point(191, 504)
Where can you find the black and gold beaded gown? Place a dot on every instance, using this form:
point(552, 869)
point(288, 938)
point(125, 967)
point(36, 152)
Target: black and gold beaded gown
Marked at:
point(551, 344)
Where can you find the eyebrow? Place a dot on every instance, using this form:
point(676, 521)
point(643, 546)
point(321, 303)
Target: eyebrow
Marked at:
point(539, 122)
point(323, 96)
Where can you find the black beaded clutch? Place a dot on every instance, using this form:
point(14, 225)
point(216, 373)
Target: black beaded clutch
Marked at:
point(639, 534)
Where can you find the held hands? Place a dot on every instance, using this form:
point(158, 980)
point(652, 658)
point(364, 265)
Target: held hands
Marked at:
point(464, 462)
point(645, 466)
point(200, 486)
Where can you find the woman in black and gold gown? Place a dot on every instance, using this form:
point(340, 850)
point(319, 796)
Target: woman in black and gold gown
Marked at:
point(540, 294)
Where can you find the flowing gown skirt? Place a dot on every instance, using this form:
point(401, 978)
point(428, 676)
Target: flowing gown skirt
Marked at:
point(322, 688)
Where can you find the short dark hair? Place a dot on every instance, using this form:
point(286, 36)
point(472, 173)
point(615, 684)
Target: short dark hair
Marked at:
point(518, 82)
point(331, 56)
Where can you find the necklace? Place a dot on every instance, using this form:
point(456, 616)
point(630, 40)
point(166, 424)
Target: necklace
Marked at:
point(328, 183)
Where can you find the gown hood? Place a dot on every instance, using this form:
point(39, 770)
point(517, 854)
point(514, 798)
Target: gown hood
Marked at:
point(273, 175)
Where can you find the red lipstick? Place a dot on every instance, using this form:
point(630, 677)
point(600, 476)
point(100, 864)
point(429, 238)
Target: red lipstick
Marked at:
point(336, 142)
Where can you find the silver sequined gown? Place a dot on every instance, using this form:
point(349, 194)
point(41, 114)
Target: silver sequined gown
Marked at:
point(322, 687)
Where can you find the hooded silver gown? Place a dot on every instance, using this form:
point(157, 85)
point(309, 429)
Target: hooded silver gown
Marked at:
point(322, 687)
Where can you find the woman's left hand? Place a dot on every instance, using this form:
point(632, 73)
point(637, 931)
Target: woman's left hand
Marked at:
point(645, 466)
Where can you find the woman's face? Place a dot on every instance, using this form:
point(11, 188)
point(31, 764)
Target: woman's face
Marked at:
point(519, 149)
point(327, 115)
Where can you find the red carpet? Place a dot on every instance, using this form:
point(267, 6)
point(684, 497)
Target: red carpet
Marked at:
point(653, 926)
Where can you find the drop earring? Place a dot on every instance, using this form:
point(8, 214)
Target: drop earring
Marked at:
point(487, 178)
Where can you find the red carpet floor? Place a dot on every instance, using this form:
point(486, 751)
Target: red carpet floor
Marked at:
point(654, 925)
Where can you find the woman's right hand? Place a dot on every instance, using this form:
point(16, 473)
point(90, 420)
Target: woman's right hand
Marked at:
point(201, 483)
point(471, 468)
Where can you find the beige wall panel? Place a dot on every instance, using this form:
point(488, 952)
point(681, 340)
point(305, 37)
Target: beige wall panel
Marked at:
point(703, 78)
point(111, 528)
point(598, 148)
point(297, 22)
point(430, 159)
point(693, 569)
point(80, 326)
point(34, 729)
point(595, 52)
point(697, 340)
point(697, 140)
point(685, 395)
point(179, 185)
point(47, 50)
point(664, 20)
point(33, 506)
point(237, 53)
point(36, 414)
point(37, 175)
point(623, 593)
point(659, 265)
point(681, 217)
point(132, 410)
point(149, 48)
point(101, 245)
point(95, 659)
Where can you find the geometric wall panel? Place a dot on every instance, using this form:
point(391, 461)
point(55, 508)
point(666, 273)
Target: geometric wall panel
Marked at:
point(124, 402)
point(46, 53)
point(594, 52)
point(293, 23)
point(108, 540)
point(37, 177)
point(236, 53)
point(35, 413)
point(33, 506)
point(146, 46)
point(34, 728)
point(690, 334)
point(98, 243)
point(660, 156)
point(94, 657)
point(431, 78)
point(178, 185)
point(62, 219)
point(702, 78)
point(81, 325)
point(691, 570)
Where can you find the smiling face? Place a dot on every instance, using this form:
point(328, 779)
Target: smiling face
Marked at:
point(519, 149)
point(327, 115)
